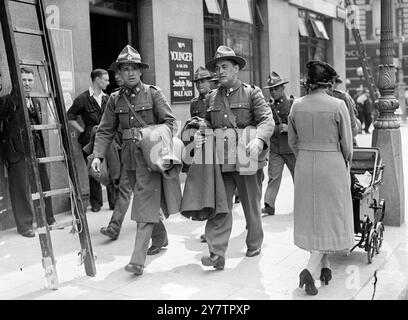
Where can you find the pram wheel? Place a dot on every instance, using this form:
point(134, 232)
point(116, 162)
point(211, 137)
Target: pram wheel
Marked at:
point(372, 245)
point(380, 235)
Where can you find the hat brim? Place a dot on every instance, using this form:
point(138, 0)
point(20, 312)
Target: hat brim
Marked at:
point(277, 84)
point(240, 61)
point(322, 63)
point(115, 66)
point(205, 78)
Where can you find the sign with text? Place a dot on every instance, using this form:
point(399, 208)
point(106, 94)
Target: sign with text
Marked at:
point(181, 69)
point(63, 47)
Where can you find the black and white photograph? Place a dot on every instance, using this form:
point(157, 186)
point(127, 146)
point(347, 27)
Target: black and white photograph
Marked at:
point(203, 157)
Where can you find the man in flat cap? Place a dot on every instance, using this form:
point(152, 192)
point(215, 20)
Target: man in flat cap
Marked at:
point(134, 106)
point(279, 152)
point(234, 107)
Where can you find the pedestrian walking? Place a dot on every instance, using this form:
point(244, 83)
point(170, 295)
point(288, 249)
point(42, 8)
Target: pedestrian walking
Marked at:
point(90, 105)
point(348, 100)
point(234, 107)
point(15, 157)
point(321, 139)
point(135, 106)
point(279, 153)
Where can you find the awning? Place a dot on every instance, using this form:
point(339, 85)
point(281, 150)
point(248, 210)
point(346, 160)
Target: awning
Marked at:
point(239, 10)
point(302, 27)
point(213, 6)
point(319, 29)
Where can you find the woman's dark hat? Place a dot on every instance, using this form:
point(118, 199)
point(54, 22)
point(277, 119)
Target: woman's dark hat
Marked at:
point(225, 53)
point(320, 72)
point(202, 73)
point(129, 55)
point(275, 80)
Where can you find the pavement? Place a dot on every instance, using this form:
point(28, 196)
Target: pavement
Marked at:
point(177, 274)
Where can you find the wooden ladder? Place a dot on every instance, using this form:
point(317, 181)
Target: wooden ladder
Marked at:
point(54, 98)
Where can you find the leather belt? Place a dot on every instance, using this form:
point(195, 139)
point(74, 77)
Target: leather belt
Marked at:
point(131, 134)
point(322, 147)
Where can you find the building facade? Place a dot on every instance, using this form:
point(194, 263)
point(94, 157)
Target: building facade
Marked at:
point(177, 36)
point(367, 15)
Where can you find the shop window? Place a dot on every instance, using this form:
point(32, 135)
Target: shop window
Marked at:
point(313, 39)
point(239, 10)
point(234, 28)
point(213, 7)
point(302, 27)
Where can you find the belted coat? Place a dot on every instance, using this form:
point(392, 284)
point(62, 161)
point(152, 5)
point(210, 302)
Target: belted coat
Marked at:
point(151, 105)
point(321, 139)
point(249, 108)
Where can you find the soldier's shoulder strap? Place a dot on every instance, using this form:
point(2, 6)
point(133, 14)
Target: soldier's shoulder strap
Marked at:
point(292, 98)
point(153, 87)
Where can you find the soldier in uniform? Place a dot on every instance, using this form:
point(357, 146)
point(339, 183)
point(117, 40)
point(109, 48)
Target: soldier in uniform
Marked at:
point(133, 101)
point(348, 100)
point(15, 158)
point(234, 106)
point(279, 152)
point(203, 81)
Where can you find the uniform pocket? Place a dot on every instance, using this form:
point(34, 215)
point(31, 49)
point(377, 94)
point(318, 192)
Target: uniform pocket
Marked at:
point(243, 113)
point(122, 113)
point(145, 111)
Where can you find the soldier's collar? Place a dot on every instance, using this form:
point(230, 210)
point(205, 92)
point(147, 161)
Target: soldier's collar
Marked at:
point(128, 91)
point(237, 85)
point(283, 99)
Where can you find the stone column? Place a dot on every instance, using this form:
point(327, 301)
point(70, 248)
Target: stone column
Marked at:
point(387, 135)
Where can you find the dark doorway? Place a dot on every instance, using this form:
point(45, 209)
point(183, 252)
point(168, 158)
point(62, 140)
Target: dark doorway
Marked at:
point(109, 35)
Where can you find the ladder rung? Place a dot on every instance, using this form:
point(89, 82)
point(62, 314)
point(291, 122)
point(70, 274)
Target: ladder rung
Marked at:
point(36, 196)
point(27, 62)
point(45, 127)
point(51, 159)
point(63, 224)
point(26, 1)
point(39, 95)
point(28, 31)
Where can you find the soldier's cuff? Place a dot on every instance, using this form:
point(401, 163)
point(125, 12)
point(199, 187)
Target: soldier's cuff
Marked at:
point(266, 143)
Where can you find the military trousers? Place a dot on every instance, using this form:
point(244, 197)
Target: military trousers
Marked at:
point(276, 165)
point(125, 191)
point(218, 229)
point(20, 197)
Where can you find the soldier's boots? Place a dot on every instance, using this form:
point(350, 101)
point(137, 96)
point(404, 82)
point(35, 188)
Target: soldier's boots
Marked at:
point(214, 261)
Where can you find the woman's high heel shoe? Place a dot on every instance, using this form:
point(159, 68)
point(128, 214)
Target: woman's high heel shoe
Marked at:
point(306, 279)
point(325, 275)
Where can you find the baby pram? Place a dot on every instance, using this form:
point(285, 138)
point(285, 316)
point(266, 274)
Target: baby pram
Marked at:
point(368, 210)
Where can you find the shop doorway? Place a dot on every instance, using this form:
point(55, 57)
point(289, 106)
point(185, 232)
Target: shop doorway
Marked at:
point(109, 35)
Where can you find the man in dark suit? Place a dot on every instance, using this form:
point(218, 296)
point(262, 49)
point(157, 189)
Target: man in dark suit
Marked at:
point(13, 153)
point(90, 106)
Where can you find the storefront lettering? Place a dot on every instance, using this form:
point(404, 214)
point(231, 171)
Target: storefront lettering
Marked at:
point(181, 56)
point(181, 69)
point(182, 83)
point(180, 93)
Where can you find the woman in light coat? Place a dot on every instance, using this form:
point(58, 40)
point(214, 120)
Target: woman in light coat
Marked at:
point(320, 136)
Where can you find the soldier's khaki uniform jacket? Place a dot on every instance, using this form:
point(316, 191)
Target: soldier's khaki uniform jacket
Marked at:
point(151, 104)
point(197, 107)
point(279, 141)
point(351, 107)
point(248, 105)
